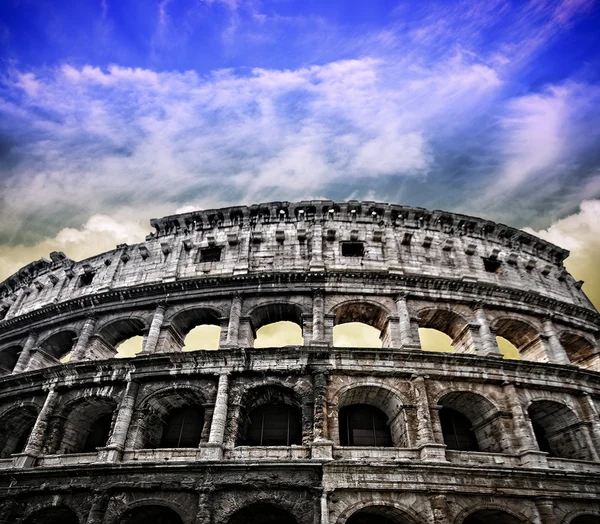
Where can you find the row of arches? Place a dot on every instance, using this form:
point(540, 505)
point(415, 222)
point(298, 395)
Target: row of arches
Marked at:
point(272, 513)
point(276, 415)
point(351, 324)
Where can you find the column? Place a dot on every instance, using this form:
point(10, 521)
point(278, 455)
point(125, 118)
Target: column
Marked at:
point(25, 353)
point(430, 450)
point(38, 433)
point(322, 447)
point(318, 331)
point(391, 251)
point(80, 349)
point(203, 511)
point(219, 420)
point(113, 452)
point(98, 509)
point(324, 508)
point(154, 331)
point(440, 509)
point(592, 417)
point(557, 353)
point(489, 347)
point(235, 313)
point(545, 509)
point(404, 327)
point(316, 261)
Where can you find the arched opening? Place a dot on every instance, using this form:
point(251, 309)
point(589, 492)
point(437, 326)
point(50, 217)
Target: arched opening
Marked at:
point(262, 513)
point(173, 418)
point(154, 514)
point(272, 416)
point(364, 425)
point(379, 514)
point(130, 347)
point(183, 428)
point(470, 422)
point(580, 350)
point(15, 428)
point(586, 519)
point(56, 515)
point(523, 337)
point(82, 427)
point(276, 325)
point(59, 344)
point(434, 340)
point(8, 358)
point(491, 516)
point(121, 338)
point(434, 323)
point(371, 416)
point(360, 324)
point(558, 431)
point(508, 350)
point(198, 328)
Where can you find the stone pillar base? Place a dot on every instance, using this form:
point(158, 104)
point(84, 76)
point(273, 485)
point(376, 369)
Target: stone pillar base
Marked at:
point(211, 451)
point(395, 270)
point(110, 454)
point(316, 266)
point(24, 460)
point(433, 452)
point(533, 459)
point(321, 449)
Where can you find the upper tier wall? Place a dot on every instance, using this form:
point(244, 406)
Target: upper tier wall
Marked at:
point(306, 236)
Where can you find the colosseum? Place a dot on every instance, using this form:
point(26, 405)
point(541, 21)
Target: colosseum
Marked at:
point(322, 431)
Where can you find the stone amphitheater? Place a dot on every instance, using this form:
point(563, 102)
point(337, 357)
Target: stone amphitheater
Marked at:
point(312, 433)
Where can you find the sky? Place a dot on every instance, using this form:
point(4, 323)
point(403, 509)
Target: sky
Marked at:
point(113, 112)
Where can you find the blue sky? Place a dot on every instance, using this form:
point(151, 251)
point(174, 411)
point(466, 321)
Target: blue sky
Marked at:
point(115, 111)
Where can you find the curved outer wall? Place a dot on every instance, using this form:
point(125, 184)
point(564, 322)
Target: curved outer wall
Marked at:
point(318, 264)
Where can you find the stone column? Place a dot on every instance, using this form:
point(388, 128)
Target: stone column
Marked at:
point(113, 452)
point(316, 261)
point(557, 353)
point(208, 416)
point(80, 349)
point(430, 450)
point(98, 509)
point(151, 340)
point(404, 327)
point(23, 360)
point(592, 417)
point(203, 511)
point(214, 446)
point(524, 442)
point(322, 447)
point(318, 327)
point(34, 446)
point(545, 509)
point(391, 251)
point(233, 329)
point(489, 347)
point(324, 508)
point(440, 509)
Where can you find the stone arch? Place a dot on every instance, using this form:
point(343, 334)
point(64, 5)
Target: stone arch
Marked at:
point(523, 335)
point(381, 397)
point(182, 322)
point(8, 358)
point(150, 513)
point(263, 512)
point(584, 518)
point(271, 395)
point(580, 350)
point(491, 514)
point(488, 423)
point(52, 515)
point(154, 411)
point(376, 507)
point(59, 343)
point(265, 314)
point(113, 332)
point(16, 424)
point(369, 313)
point(82, 425)
point(559, 431)
point(451, 323)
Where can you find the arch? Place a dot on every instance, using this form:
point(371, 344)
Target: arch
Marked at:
point(119, 330)
point(579, 349)
point(363, 311)
point(558, 431)
point(523, 335)
point(163, 410)
point(385, 400)
point(15, 427)
point(487, 422)
point(434, 340)
point(586, 519)
point(53, 515)
point(284, 424)
point(183, 428)
point(267, 314)
point(262, 513)
point(364, 425)
point(378, 506)
point(379, 514)
point(449, 323)
point(492, 516)
point(59, 344)
point(9, 357)
point(191, 318)
point(150, 514)
point(85, 424)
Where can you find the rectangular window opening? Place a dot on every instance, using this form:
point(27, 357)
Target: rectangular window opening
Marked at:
point(210, 254)
point(353, 249)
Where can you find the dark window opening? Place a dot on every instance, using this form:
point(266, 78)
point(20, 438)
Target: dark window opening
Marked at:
point(457, 431)
point(274, 425)
point(368, 517)
point(86, 279)
point(353, 249)
point(183, 428)
point(98, 435)
point(24, 438)
point(542, 439)
point(491, 265)
point(364, 425)
point(210, 254)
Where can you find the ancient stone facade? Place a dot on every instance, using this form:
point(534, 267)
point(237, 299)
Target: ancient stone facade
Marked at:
point(309, 434)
